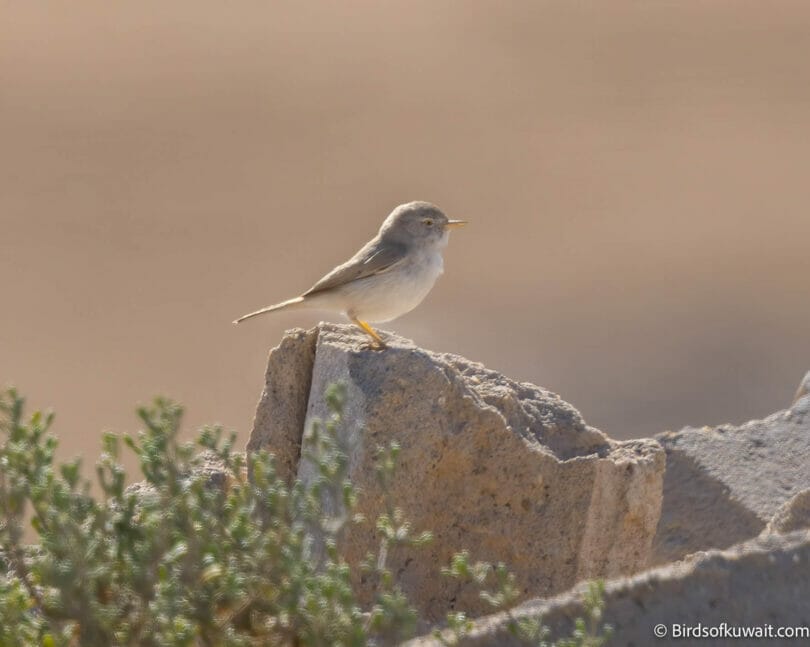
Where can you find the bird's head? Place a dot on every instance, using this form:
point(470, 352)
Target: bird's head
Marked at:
point(418, 223)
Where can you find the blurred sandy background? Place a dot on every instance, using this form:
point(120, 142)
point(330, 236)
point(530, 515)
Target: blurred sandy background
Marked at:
point(636, 175)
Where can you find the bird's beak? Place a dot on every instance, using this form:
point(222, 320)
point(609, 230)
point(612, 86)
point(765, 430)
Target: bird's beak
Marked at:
point(452, 224)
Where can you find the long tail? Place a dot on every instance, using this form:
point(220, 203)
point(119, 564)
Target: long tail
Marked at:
point(278, 306)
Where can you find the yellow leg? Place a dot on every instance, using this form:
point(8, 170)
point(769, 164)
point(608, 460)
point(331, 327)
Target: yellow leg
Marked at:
point(377, 339)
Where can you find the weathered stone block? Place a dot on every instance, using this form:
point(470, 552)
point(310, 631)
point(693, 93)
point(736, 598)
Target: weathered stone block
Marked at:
point(506, 470)
point(724, 484)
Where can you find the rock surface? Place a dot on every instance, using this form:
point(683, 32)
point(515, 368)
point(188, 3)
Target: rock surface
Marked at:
point(804, 388)
point(759, 583)
point(283, 404)
point(724, 484)
point(506, 470)
point(206, 464)
point(793, 515)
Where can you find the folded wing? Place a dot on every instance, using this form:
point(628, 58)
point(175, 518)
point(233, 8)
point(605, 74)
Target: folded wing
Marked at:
point(372, 259)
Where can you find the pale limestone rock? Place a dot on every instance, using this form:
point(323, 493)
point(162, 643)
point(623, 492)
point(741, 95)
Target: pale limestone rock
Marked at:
point(804, 388)
point(793, 515)
point(724, 484)
point(506, 470)
point(755, 584)
point(283, 404)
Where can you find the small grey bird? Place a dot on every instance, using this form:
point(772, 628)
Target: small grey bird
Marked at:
point(389, 276)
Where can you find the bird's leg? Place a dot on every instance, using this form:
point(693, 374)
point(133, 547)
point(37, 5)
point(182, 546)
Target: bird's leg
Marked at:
point(379, 344)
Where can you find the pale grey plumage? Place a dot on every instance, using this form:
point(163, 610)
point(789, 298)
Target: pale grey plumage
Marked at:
point(371, 259)
point(389, 275)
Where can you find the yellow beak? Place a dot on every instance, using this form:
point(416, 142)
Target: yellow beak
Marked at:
point(452, 224)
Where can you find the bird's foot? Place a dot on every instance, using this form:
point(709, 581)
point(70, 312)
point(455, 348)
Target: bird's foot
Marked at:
point(377, 343)
point(373, 345)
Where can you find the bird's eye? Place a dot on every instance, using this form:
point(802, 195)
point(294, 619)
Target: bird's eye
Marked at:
point(428, 222)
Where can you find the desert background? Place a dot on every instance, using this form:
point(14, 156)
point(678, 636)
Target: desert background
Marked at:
point(635, 175)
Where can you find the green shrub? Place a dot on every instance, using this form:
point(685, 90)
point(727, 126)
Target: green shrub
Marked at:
point(198, 553)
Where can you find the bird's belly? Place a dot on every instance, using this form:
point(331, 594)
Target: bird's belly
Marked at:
point(391, 294)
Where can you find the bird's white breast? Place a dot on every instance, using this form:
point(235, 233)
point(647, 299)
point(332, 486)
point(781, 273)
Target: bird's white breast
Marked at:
point(389, 295)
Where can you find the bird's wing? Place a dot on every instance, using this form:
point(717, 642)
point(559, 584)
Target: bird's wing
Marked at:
point(370, 260)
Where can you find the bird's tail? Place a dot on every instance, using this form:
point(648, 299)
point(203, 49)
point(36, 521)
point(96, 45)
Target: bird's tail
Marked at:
point(278, 306)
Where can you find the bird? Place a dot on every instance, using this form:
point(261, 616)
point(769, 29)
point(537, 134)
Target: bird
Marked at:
point(388, 277)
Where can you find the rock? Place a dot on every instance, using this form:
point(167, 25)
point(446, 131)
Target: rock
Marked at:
point(724, 484)
point(759, 584)
point(283, 404)
point(793, 515)
point(506, 470)
point(206, 464)
point(804, 388)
